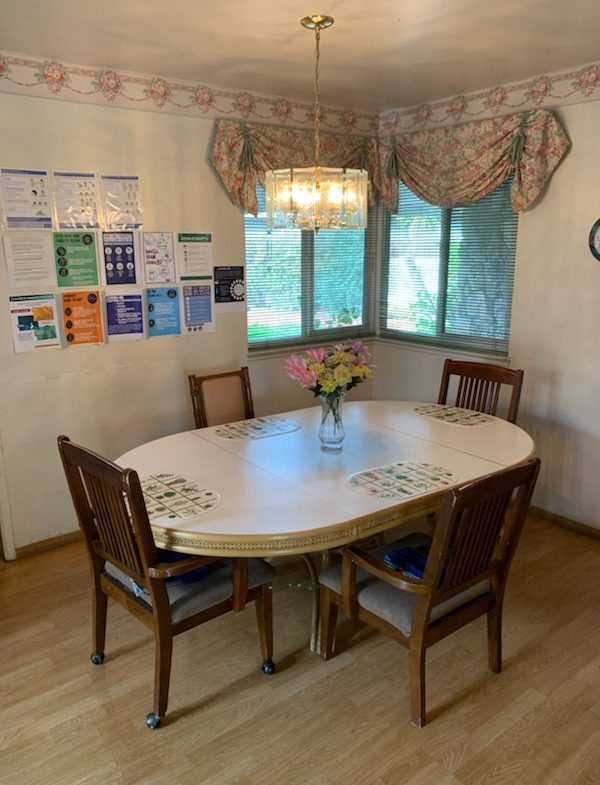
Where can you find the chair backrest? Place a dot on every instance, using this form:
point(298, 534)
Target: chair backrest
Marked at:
point(477, 531)
point(111, 510)
point(221, 397)
point(479, 386)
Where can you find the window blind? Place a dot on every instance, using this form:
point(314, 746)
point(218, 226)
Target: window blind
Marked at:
point(448, 273)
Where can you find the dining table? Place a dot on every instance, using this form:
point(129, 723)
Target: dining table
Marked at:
point(265, 487)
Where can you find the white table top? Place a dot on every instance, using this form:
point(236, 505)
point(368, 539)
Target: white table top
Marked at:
point(283, 494)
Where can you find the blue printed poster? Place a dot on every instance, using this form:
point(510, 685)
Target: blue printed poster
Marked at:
point(197, 309)
point(119, 258)
point(124, 316)
point(163, 311)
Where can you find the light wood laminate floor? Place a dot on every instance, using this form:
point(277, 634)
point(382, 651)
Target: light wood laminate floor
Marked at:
point(66, 722)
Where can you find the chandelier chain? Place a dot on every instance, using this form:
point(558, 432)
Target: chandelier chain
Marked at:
point(317, 108)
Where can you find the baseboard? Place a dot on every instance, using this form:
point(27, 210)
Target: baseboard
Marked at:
point(566, 523)
point(49, 544)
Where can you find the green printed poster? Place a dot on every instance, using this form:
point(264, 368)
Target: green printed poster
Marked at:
point(75, 258)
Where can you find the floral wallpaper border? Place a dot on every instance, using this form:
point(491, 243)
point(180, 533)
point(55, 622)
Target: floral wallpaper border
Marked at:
point(53, 79)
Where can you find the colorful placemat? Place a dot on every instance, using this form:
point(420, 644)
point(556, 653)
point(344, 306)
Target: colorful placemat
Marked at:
point(452, 414)
point(258, 428)
point(401, 480)
point(174, 496)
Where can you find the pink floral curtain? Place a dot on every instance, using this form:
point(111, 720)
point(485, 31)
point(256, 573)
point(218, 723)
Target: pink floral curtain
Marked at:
point(242, 152)
point(447, 167)
point(462, 164)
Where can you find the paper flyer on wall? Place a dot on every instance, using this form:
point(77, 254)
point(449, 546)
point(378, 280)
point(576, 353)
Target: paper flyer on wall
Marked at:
point(122, 201)
point(124, 316)
point(119, 258)
point(194, 256)
point(76, 200)
point(158, 256)
point(197, 309)
point(76, 259)
point(230, 289)
point(29, 259)
point(34, 322)
point(82, 319)
point(27, 203)
point(163, 307)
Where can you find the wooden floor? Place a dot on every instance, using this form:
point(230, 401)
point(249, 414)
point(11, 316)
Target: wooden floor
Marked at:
point(64, 721)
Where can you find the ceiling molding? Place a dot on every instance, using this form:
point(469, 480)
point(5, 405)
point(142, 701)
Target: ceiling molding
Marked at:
point(25, 75)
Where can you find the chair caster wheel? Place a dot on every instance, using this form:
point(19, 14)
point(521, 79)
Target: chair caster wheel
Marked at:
point(268, 667)
point(97, 657)
point(153, 720)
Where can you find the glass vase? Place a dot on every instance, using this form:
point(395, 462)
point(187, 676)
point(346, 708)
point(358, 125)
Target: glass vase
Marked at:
point(331, 432)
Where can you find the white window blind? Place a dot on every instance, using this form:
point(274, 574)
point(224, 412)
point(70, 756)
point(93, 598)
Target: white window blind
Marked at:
point(305, 285)
point(448, 273)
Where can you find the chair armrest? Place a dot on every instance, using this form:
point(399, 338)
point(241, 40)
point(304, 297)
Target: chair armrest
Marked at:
point(379, 570)
point(176, 568)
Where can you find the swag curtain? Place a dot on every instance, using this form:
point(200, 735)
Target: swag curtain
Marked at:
point(447, 167)
point(242, 152)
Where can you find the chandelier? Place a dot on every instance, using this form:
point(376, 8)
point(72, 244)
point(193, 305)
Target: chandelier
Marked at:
point(316, 197)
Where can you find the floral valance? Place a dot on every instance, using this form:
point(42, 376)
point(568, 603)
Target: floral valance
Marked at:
point(462, 164)
point(447, 167)
point(242, 152)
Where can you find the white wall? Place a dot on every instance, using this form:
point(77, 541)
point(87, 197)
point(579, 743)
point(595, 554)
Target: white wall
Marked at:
point(555, 334)
point(114, 396)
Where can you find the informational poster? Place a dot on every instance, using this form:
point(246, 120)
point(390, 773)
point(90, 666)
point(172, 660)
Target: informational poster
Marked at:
point(29, 259)
point(76, 259)
point(124, 316)
point(34, 323)
point(27, 203)
point(194, 255)
point(119, 255)
point(229, 284)
point(163, 311)
point(159, 257)
point(82, 319)
point(76, 200)
point(197, 309)
point(122, 201)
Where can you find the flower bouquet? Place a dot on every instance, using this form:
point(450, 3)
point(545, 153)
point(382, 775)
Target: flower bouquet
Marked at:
point(330, 373)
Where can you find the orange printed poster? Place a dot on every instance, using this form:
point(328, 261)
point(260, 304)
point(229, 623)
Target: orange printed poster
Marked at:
point(82, 320)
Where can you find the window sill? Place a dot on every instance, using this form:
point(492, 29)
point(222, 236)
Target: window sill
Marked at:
point(444, 351)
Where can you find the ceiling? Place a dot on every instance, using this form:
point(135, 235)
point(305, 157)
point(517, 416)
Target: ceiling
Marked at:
point(380, 54)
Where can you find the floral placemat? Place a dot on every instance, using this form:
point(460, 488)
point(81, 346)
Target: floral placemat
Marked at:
point(174, 496)
point(452, 414)
point(401, 480)
point(258, 428)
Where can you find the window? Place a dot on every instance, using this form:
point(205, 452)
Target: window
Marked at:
point(306, 285)
point(448, 273)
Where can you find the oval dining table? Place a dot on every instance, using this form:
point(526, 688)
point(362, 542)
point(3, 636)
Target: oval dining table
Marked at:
point(274, 491)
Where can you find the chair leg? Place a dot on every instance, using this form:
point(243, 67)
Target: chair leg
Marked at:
point(494, 629)
point(416, 668)
point(100, 602)
point(329, 612)
point(264, 618)
point(163, 650)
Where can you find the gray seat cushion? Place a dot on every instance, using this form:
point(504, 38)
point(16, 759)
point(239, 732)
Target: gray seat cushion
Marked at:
point(190, 597)
point(393, 605)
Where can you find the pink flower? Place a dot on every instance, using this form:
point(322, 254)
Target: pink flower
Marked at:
point(203, 97)
point(318, 355)
point(109, 84)
point(496, 98)
point(159, 91)
point(348, 119)
point(588, 80)
point(282, 109)
point(539, 89)
point(244, 103)
point(423, 113)
point(458, 107)
point(296, 369)
point(3, 67)
point(53, 75)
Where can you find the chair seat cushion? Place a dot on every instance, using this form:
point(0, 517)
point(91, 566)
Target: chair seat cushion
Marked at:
point(393, 605)
point(189, 597)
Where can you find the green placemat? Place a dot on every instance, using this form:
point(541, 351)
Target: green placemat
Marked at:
point(174, 496)
point(452, 414)
point(258, 428)
point(401, 480)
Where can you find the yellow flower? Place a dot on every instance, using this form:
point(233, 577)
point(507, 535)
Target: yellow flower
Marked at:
point(328, 384)
point(362, 371)
point(317, 368)
point(342, 375)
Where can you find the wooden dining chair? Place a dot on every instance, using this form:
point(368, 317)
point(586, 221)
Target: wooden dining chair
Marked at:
point(168, 596)
point(479, 386)
point(420, 589)
point(221, 397)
